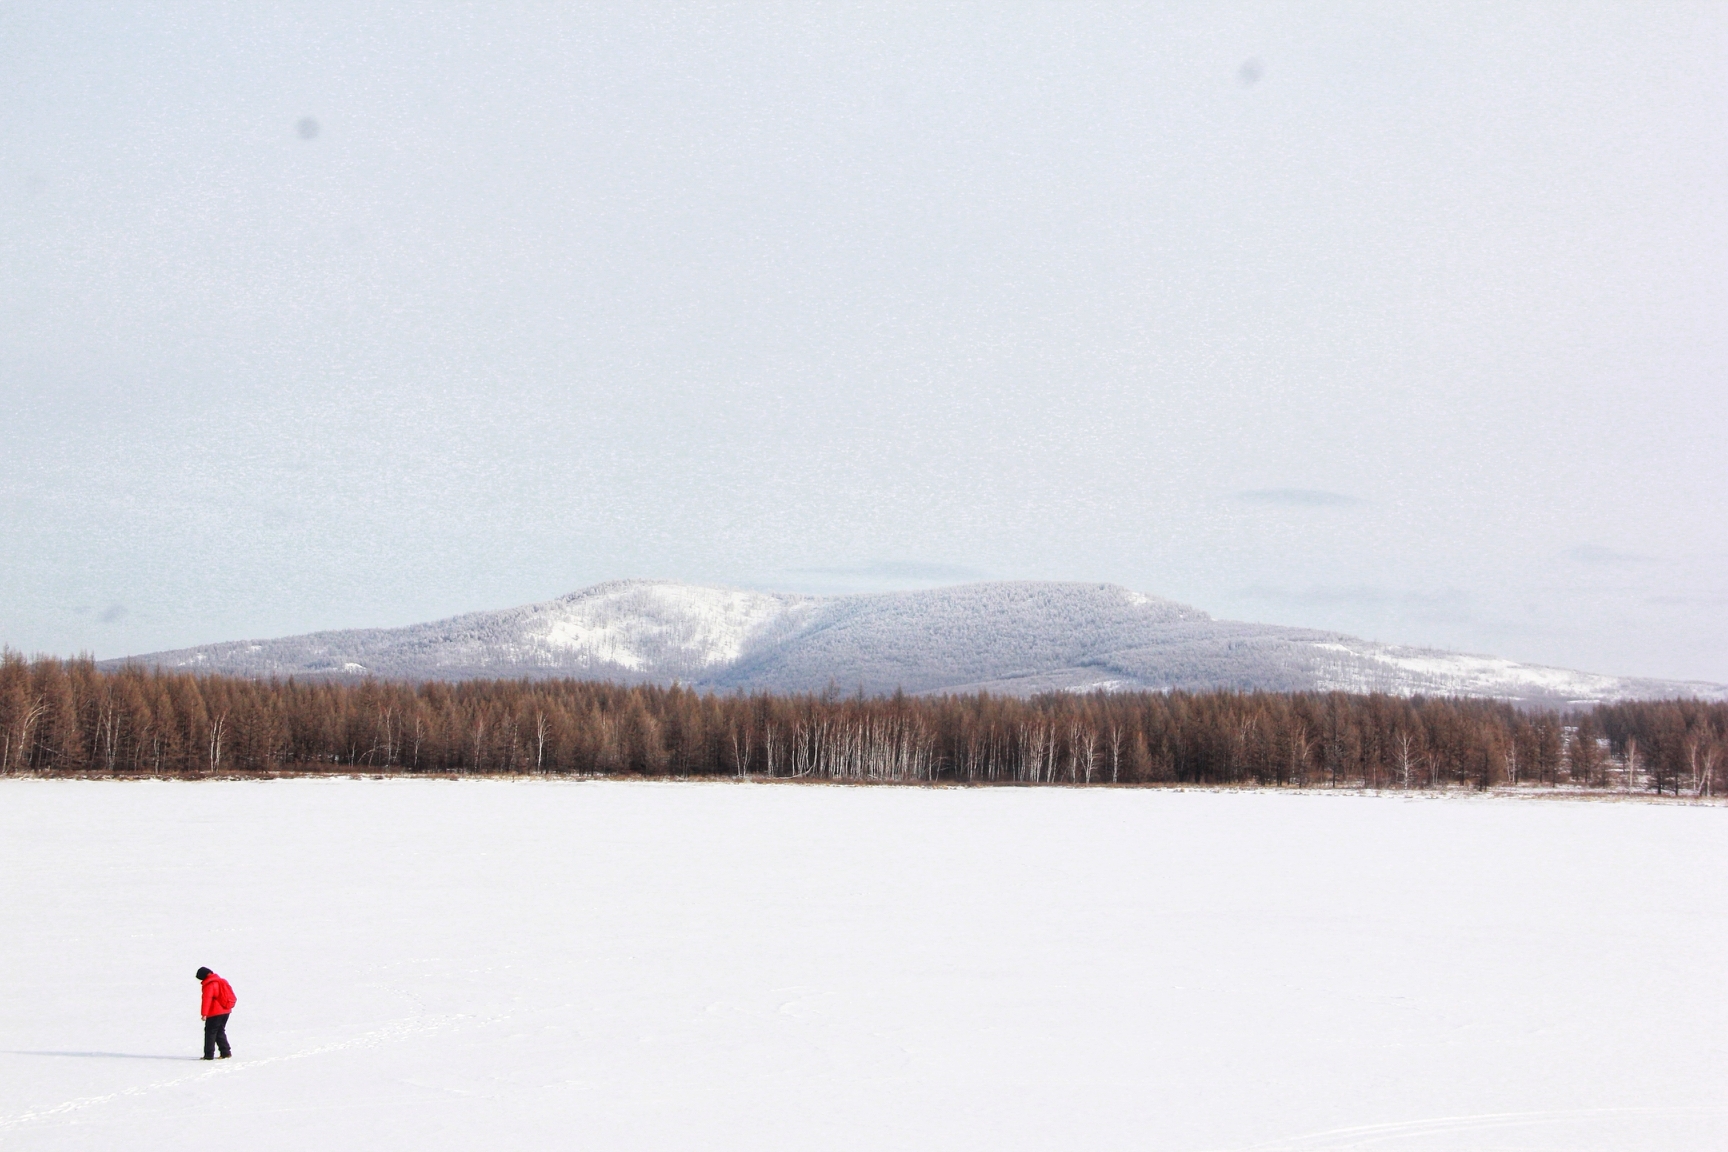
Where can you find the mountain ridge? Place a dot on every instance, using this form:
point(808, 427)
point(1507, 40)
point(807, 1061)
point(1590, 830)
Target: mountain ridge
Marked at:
point(1017, 638)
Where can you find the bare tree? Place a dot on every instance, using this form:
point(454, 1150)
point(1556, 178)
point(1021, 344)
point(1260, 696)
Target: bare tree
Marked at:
point(26, 728)
point(741, 748)
point(479, 741)
point(1584, 753)
point(218, 726)
point(1301, 747)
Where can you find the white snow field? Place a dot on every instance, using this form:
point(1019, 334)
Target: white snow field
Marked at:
point(513, 965)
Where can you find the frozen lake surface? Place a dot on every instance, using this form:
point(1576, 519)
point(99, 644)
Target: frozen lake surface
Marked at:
point(488, 964)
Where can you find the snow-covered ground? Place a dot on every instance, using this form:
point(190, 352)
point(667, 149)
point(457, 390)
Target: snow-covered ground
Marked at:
point(505, 965)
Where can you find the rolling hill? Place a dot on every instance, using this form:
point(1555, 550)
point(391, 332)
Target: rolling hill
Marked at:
point(1013, 638)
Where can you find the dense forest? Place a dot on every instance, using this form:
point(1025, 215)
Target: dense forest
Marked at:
point(68, 717)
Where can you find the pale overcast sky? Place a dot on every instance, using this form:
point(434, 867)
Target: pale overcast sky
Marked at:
point(1405, 320)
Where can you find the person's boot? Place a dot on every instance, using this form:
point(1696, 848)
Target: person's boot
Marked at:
point(224, 1055)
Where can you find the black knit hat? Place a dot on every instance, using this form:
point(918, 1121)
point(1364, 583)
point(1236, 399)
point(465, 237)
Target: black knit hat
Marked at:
point(203, 972)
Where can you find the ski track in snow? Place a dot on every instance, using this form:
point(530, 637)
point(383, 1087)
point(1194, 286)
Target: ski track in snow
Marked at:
point(1370, 1135)
point(390, 1033)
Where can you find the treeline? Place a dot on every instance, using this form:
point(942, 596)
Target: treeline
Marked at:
point(68, 717)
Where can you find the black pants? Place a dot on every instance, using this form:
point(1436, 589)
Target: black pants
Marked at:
point(215, 1035)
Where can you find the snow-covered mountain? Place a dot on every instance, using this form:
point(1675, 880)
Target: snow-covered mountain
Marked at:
point(1013, 638)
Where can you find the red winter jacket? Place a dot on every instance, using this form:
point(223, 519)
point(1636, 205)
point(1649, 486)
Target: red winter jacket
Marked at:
point(219, 997)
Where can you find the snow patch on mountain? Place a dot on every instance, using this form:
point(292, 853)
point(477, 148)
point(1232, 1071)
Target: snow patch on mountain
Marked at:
point(635, 625)
point(1460, 674)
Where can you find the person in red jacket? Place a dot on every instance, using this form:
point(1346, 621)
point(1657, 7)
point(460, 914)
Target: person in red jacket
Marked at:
point(219, 1000)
